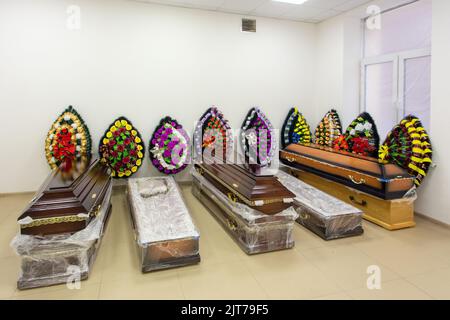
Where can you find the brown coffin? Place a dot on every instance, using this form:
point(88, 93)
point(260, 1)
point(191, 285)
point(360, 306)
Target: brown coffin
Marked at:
point(67, 201)
point(255, 232)
point(263, 193)
point(164, 231)
point(385, 181)
point(58, 261)
point(389, 214)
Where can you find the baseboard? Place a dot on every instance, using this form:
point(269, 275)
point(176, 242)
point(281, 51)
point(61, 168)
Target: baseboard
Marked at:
point(442, 224)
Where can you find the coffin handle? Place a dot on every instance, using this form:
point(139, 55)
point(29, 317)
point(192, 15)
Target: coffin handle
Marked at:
point(289, 159)
point(304, 216)
point(232, 197)
point(362, 181)
point(362, 203)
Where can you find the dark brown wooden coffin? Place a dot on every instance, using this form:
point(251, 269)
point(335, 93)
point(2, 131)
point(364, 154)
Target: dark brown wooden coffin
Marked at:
point(385, 181)
point(263, 193)
point(55, 263)
point(67, 201)
point(271, 234)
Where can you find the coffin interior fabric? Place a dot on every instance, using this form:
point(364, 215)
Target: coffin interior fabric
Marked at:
point(311, 197)
point(245, 212)
point(161, 217)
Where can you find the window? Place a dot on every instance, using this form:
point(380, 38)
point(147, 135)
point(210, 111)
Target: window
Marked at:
point(396, 68)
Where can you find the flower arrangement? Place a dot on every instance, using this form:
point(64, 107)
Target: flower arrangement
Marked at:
point(68, 140)
point(122, 149)
point(213, 131)
point(328, 129)
point(408, 145)
point(295, 129)
point(340, 143)
point(169, 147)
point(362, 136)
point(258, 138)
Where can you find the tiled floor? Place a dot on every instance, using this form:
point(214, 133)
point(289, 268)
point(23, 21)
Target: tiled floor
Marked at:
point(414, 263)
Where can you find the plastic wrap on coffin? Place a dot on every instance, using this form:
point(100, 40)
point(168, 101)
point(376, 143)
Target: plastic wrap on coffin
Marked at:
point(58, 259)
point(253, 231)
point(328, 217)
point(389, 214)
point(165, 233)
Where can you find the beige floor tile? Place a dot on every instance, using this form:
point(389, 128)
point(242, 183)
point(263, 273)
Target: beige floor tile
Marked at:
point(394, 290)
point(7, 233)
point(120, 262)
point(221, 281)
point(436, 283)
point(86, 292)
point(289, 275)
point(11, 206)
point(158, 285)
point(214, 250)
point(337, 296)
point(403, 259)
point(346, 265)
point(305, 239)
point(8, 276)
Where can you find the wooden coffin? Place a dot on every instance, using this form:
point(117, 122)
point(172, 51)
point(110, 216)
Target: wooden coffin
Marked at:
point(67, 201)
point(56, 260)
point(326, 216)
point(385, 181)
point(389, 214)
point(260, 192)
point(165, 234)
point(252, 230)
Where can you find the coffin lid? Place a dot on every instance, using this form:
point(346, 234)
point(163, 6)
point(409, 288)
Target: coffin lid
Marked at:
point(77, 192)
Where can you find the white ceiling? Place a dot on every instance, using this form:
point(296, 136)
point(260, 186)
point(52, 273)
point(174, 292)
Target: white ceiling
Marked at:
point(311, 11)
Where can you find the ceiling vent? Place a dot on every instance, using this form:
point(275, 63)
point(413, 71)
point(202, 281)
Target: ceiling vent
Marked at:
point(248, 25)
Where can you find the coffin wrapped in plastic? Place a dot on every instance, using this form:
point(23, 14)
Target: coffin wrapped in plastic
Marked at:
point(63, 258)
point(326, 216)
point(254, 231)
point(165, 233)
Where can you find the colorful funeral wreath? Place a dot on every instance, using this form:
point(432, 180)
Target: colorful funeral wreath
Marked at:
point(212, 131)
point(408, 145)
point(258, 138)
point(169, 147)
point(122, 149)
point(295, 129)
point(362, 136)
point(68, 139)
point(328, 129)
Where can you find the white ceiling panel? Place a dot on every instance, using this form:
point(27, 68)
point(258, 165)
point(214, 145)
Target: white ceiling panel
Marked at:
point(311, 11)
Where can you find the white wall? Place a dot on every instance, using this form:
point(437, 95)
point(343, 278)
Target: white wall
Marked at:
point(142, 61)
point(329, 72)
point(434, 195)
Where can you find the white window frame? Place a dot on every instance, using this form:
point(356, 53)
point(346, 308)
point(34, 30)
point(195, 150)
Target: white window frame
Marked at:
point(398, 60)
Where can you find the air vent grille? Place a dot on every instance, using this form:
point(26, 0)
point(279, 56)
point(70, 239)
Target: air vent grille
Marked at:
point(248, 25)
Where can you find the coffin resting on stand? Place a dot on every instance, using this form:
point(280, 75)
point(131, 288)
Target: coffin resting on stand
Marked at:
point(67, 201)
point(165, 233)
point(260, 192)
point(385, 181)
point(321, 213)
point(56, 259)
point(390, 214)
point(254, 231)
